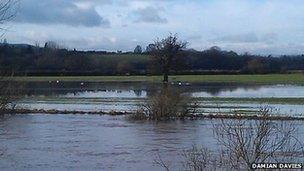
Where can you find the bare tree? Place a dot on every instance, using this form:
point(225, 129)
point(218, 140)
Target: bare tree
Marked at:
point(7, 92)
point(165, 52)
point(242, 143)
point(138, 49)
point(245, 142)
point(52, 45)
point(7, 11)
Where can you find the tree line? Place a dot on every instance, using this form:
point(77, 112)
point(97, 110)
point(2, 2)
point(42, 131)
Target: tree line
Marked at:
point(54, 60)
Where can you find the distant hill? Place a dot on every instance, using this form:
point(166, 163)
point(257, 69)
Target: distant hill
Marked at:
point(26, 59)
point(17, 45)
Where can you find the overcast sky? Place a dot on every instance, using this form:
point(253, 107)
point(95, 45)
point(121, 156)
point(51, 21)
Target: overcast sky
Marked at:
point(255, 26)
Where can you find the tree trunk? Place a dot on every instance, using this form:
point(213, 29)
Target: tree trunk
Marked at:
point(165, 77)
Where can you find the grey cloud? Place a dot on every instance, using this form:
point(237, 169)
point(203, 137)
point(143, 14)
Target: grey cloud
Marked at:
point(103, 2)
point(280, 49)
point(241, 38)
point(194, 37)
point(148, 15)
point(58, 12)
point(247, 38)
point(269, 38)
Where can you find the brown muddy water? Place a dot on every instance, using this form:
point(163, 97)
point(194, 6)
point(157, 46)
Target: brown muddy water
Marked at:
point(93, 142)
point(123, 97)
point(88, 142)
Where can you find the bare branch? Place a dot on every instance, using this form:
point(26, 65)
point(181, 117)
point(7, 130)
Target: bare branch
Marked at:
point(160, 162)
point(247, 142)
point(8, 10)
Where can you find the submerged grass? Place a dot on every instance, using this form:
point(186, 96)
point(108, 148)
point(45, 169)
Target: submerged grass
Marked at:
point(208, 101)
point(268, 100)
point(257, 79)
point(137, 115)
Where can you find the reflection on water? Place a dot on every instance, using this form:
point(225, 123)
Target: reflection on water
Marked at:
point(108, 94)
point(277, 91)
point(89, 142)
point(126, 96)
point(132, 90)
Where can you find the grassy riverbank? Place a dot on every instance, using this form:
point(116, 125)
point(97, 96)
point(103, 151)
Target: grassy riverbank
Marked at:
point(259, 79)
point(224, 115)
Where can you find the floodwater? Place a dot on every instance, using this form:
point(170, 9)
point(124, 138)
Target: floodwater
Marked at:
point(137, 90)
point(127, 96)
point(93, 142)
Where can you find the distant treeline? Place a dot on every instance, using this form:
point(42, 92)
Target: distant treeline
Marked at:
point(51, 60)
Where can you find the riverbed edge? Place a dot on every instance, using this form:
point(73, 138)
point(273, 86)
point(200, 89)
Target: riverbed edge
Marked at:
point(125, 113)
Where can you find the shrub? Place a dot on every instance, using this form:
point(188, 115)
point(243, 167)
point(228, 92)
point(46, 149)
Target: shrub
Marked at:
point(245, 142)
point(167, 104)
point(242, 143)
point(198, 158)
point(9, 92)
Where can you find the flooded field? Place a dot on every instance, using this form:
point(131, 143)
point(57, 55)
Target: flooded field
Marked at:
point(84, 142)
point(283, 99)
point(92, 142)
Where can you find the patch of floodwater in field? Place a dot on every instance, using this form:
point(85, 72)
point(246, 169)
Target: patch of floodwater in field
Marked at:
point(132, 90)
point(126, 96)
point(107, 94)
point(277, 91)
point(90, 142)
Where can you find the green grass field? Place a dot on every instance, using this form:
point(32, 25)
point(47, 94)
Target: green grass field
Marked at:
point(259, 79)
